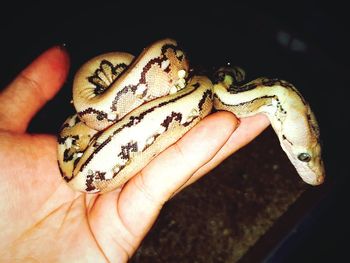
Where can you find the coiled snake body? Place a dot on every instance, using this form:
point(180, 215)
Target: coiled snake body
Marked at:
point(129, 110)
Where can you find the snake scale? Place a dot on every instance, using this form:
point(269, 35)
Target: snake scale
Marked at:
point(131, 109)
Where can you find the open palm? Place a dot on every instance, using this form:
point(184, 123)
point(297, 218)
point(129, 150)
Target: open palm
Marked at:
point(42, 219)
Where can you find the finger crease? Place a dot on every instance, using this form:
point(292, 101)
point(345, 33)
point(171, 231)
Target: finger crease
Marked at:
point(34, 86)
point(181, 155)
point(140, 184)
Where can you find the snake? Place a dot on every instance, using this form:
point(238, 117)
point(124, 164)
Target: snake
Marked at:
point(129, 109)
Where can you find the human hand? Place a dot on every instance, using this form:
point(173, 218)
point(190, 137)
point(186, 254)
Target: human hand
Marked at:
point(42, 219)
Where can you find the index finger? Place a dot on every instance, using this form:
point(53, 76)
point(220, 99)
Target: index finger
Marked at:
point(248, 129)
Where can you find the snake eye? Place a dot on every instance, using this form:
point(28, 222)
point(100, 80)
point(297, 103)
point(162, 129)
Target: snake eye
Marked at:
point(304, 157)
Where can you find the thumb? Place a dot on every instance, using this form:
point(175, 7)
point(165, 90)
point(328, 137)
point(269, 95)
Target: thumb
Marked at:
point(32, 88)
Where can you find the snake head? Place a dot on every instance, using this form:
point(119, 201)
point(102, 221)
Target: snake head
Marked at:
point(308, 163)
point(301, 142)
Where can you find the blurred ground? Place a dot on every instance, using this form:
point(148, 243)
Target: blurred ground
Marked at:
point(219, 218)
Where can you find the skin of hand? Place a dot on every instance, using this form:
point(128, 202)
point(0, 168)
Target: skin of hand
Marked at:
point(45, 220)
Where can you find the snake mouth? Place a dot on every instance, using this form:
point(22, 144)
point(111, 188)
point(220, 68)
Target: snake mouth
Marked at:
point(313, 179)
point(311, 172)
point(317, 181)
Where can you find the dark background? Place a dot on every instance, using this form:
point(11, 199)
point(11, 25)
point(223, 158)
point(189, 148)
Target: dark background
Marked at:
point(305, 42)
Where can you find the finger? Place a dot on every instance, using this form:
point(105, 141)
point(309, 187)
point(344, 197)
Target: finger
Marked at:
point(32, 88)
point(248, 129)
point(144, 195)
